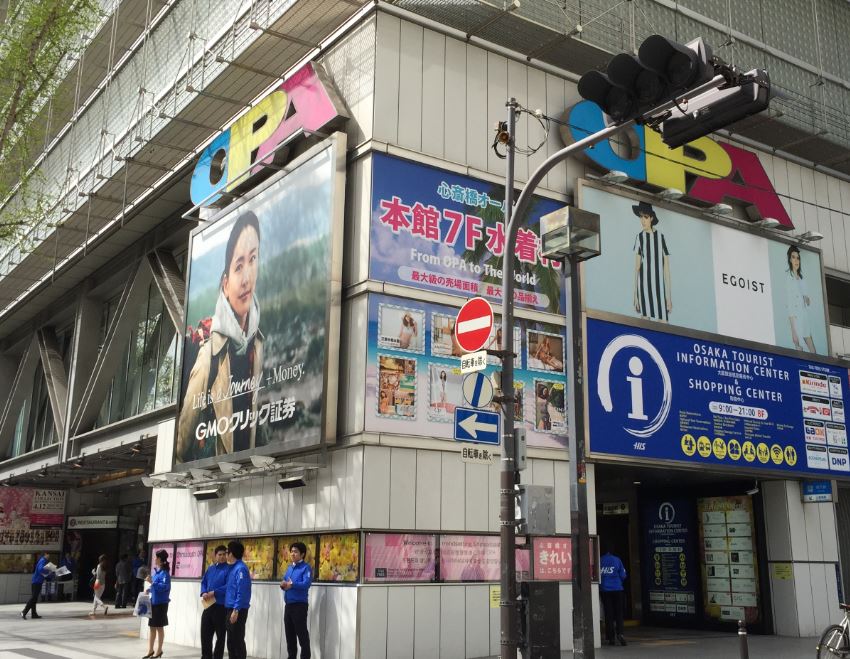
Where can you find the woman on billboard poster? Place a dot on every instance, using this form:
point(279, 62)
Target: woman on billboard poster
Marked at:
point(232, 354)
point(798, 302)
point(652, 291)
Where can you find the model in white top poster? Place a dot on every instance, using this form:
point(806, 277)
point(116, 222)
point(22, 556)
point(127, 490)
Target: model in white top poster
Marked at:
point(798, 302)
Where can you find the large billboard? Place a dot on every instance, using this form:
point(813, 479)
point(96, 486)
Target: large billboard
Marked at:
point(671, 267)
point(435, 230)
point(262, 318)
point(31, 519)
point(414, 382)
point(663, 397)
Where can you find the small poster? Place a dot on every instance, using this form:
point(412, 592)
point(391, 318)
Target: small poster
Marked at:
point(188, 560)
point(399, 557)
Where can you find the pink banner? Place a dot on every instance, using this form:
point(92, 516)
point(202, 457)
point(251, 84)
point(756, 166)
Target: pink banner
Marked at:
point(188, 560)
point(475, 558)
point(31, 519)
point(167, 546)
point(399, 557)
point(553, 559)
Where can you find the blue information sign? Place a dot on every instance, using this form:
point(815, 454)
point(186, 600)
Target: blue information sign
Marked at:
point(477, 426)
point(817, 491)
point(663, 397)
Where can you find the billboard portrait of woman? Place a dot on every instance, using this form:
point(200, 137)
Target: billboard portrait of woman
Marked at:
point(231, 354)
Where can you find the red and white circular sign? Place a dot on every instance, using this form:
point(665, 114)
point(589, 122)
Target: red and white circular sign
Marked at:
point(474, 323)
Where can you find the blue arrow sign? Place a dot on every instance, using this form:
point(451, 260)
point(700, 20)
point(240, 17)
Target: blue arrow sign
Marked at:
point(477, 426)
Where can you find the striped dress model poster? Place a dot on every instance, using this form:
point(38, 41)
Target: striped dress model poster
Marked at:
point(652, 295)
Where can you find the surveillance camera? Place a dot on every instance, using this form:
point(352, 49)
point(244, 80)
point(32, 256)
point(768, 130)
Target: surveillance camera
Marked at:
point(262, 461)
point(752, 492)
point(229, 467)
point(175, 479)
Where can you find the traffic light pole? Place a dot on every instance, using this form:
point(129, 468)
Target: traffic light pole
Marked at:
point(509, 477)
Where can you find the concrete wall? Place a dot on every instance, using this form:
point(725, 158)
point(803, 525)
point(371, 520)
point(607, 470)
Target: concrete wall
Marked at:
point(804, 536)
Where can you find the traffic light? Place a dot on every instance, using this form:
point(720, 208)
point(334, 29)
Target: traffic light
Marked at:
point(663, 70)
point(718, 108)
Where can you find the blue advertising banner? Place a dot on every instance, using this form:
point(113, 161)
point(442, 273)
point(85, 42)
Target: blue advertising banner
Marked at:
point(439, 231)
point(662, 397)
point(414, 383)
point(670, 578)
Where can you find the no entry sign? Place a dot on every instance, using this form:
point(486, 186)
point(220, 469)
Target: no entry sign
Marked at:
point(474, 323)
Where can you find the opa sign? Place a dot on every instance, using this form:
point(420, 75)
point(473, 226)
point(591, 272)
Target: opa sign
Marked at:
point(304, 101)
point(704, 169)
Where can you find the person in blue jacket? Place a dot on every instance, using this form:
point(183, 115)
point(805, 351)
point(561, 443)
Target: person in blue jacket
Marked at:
point(296, 586)
point(612, 575)
point(160, 592)
point(237, 600)
point(214, 617)
point(39, 575)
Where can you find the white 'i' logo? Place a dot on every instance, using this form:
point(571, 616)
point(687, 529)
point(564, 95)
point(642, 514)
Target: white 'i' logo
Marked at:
point(636, 383)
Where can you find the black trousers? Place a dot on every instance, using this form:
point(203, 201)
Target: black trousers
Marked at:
point(613, 601)
point(213, 623)
point(122, 594)
point(295, 628)
point(236, 635)
point(31, 602)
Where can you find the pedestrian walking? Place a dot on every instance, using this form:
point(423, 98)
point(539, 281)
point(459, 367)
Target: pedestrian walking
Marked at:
point(99, 585)
point(140, 572)
point(214, 617)
point(611, 588)
point(123, 579)
point(39, 574)
point(68, 589)
point(160, 592)
point(237, 600)
point(296, 587)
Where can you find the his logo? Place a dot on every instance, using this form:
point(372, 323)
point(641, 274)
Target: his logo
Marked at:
point(635, 380)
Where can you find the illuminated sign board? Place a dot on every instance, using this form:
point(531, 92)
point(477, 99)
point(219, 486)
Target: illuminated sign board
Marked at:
point(305, 101)
point(703, 169)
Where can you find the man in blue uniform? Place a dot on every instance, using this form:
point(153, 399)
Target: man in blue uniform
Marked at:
point(237, 600)
point(214, 617)
point(612, 575)
point(39, 574)
point(296, 586)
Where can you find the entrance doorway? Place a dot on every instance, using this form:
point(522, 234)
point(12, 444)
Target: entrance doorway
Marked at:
point(692, 543)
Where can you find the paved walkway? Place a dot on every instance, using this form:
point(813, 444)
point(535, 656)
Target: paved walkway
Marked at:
point(67, 632)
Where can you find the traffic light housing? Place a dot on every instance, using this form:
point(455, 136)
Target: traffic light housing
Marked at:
point(662, 71)
point(718, 108)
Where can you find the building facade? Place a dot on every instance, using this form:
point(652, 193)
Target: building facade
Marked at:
point(360, 136)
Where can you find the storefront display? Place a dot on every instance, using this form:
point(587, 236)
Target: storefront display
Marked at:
point(730, 566)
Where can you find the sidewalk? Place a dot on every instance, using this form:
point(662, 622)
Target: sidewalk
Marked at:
point(67, 632)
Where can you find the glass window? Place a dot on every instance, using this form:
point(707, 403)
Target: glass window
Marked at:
point(283, 559)
point(144, 380)
point(838, 300)
point(339, 557)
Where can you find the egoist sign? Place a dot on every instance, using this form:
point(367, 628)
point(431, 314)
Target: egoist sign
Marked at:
point(305, 101)
point(703, 169)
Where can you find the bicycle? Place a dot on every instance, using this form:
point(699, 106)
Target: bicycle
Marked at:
point(835, 640)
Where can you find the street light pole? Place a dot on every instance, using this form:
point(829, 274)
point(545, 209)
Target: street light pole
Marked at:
point(509, 476)
point(514, 216)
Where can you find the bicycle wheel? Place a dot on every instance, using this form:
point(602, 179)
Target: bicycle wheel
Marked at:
point(833, 643)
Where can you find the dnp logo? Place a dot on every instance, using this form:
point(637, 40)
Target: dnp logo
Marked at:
point(633, 383)
point(703, 169)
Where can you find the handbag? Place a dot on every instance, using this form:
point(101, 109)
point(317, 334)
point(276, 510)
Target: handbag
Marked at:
point(143, 606)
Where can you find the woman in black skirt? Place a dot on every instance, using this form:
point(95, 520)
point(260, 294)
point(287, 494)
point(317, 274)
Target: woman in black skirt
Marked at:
point(160, 591)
